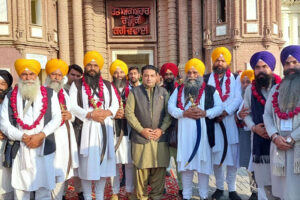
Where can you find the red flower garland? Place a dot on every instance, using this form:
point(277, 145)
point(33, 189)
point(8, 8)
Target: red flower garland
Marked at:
point(258, 97)
point(89, 93)
point(127, 90)
point(282, 115)
point(179, 103)
point(227, 85)
point(13, 104)
point(62, 102)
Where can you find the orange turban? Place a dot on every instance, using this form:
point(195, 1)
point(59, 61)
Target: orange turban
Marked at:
point(55, 64)
point(118, 64)
point(27, 64)
point(217, 52)
point(249, 73)
point(195, 63)
point(93, 56)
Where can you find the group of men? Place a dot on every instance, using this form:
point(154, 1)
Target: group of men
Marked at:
point(91, 128)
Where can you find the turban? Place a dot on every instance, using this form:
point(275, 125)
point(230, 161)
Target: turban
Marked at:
point(6, 76)
point(55, 64)
point(118, 64)
point(169, 66)
point(27, 64)
point(93, 56)
point(293, 50)
point(195, 63)
point(265, 56)
point(217, 52)
point(249, 73)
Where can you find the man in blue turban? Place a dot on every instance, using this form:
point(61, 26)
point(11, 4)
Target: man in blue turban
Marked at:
point(263, 63)
point(282, 122)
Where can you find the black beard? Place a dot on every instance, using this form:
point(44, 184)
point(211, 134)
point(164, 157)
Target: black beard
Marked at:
point(289, 76)
point(3, 93)
point(92, 81)
point(218, 70)
point(119, 83)
point(262, 80)
point(192, 87)
point(169, 84)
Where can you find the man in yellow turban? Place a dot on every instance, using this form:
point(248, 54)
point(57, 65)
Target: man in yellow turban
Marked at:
point(36, 116)
point(66, 157)
point(195, 104)
point(230, 92)
point(95, 105)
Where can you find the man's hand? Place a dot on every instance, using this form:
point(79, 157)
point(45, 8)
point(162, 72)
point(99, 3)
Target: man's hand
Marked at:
point(66, 115)
point(147, 133)
point(36, 140)
point(99, 115)
point(281, 143)
point(222, 116)
point(120, 114)
point(243, 113)
point(26, 138)
point(2, 136)
point(260, 130)
point(157, 133)
point(194, 113)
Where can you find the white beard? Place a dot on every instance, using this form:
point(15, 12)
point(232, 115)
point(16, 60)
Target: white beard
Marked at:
point(29, 89)
point(55, 85)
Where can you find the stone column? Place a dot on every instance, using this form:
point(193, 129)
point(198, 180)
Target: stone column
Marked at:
point(267, 19)
point(172, 31)
point(162, 32)
point(294, 29)
point(63, 31)
point(77, 31)
point(196, 29)
point(88, 24)
point(286, 23)
point(183, 31)
point(21, 33)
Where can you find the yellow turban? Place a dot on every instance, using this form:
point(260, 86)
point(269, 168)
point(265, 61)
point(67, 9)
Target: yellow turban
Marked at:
point(93, 56)
point(118, 64)
point(195, 63)
point(221, 51)
point(27, 64)
point(55, 64)
point(249, 73)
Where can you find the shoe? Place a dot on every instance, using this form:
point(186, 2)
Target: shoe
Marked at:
point(180, 193)
point(80, 196)
point(217, 194)
point(253, 196)
point(114, 197)
point(168, 174)
point(234, 196)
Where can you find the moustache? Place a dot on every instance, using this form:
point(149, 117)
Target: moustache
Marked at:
point(291, 72)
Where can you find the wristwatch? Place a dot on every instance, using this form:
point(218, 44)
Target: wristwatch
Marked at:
point(289, 140)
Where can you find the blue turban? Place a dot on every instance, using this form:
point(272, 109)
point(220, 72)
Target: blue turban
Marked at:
point(293, 50)
point(265, 56)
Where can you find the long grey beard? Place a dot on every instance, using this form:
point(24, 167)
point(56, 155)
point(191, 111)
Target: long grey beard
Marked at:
point(29, 89)
point(55, 85)
point(289, 93)
point(119, 83)
point(192, 87)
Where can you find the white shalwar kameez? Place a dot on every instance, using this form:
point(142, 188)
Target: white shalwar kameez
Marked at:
point(62, 154)
point(92, 143)
point(231, 104)
point(187, 136)
point(32, 170)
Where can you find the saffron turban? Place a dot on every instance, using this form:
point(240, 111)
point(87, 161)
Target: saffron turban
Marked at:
point(196, 64)
point(217, 52)
point(27, 64)
point(249, 73)
point(265, 56)
point(169, 66)
point(292, 50)
point(55, 64)
point(93, 56)
point(6, 76)
point(118, 64)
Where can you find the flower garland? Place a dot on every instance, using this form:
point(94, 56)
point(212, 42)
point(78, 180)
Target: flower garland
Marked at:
point(62, 102)
point(227, 85)
point(89, 93)
point(126, 90)
point(258, 97)
point(282, 115)
point(13, 100)
point(179, 103)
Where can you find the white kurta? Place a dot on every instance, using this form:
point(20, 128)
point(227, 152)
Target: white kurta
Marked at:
point(91, 137)
point(62, 148)
point(32, 170)
point(187, 134)
point(230, 106)
point(5, 173)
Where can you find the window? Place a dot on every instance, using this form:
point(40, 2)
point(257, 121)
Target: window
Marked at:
point(36, 12)
point(221, 8)
point(3, 10)
point(251, 11)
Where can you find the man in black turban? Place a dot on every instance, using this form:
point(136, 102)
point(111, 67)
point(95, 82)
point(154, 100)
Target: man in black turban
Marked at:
point(6, 81)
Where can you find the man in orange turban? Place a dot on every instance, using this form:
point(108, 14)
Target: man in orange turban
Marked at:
point(95, 105)
point(31, 127)
point(230, 92)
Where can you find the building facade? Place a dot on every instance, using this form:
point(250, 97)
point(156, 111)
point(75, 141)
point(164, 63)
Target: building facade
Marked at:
point(138, 31)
